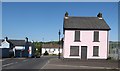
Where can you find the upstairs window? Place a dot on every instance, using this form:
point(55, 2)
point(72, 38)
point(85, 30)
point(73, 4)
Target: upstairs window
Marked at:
point(96, 36)
point(77, 35)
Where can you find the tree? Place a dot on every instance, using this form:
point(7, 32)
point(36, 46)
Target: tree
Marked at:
point(38, 46)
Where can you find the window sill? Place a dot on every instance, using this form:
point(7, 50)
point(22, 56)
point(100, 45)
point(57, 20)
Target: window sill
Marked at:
point(74, 55)
point(95, 56)
point(77, 41)
point(96, 41)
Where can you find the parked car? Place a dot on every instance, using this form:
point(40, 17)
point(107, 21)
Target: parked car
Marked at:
point(46, 53)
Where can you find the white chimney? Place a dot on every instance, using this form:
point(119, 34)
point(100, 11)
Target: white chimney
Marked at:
point(32, 41)
point(6, 38)
point(66, 15)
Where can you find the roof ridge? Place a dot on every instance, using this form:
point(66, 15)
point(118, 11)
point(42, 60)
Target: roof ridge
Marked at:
point(15, 40)
point(83, 16)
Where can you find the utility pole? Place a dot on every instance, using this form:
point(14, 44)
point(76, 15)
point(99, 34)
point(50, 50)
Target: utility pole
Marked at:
point(42, 45)
point(59, 44)
point(118, 50)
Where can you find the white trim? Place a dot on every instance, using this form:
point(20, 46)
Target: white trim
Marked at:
point(66, 17)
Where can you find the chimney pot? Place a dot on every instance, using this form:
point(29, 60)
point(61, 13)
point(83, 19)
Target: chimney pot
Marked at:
point(66, 15)
point(99, 15)
point(26, 39)
point(6, 38)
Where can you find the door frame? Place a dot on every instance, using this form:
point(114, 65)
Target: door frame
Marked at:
point(85, 50)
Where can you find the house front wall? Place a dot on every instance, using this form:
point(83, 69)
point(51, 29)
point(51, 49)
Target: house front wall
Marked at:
point(5, 44)
point(30, 51)
point(86, 39)
point(20, 47)
point(51, 50)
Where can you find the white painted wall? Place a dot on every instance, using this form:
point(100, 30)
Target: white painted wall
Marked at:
point(19, 47)
point(86, 38)
point(30, 51)
point(5, 44)
point(51, 50)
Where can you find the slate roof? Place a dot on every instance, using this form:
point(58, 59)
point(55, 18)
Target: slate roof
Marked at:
point(17, 42)
point(51, 46)
point(85, 23)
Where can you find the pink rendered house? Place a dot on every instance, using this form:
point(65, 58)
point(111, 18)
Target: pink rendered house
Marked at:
point(85, 37)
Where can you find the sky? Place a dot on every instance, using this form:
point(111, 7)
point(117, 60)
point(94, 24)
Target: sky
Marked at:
point(119, 21)
point(41, 21)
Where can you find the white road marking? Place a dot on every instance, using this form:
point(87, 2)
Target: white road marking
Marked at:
point(6, 59)
point(10, 63)
point(45, 64)
point(25, 60)
point(7, 64)
point(3, 59)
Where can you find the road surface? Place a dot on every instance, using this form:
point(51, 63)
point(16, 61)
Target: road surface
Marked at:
point(45, 62)
point(25, 63)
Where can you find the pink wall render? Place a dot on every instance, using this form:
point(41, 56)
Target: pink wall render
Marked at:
point(86, 39)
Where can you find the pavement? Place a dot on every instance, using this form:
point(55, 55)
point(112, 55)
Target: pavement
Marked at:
point(56, 63)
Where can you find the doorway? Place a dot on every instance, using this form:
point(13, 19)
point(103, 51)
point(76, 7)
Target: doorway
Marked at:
point(83, 52)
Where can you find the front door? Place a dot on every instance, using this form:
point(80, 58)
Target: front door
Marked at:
point(83, 52)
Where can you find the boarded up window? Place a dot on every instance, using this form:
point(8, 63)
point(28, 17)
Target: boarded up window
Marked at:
point(95, 50)
point(74, 50)
point(77, 35)
point(96, 36)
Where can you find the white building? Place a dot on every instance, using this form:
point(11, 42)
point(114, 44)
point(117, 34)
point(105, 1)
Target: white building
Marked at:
point(16, 48)
point(52, 49)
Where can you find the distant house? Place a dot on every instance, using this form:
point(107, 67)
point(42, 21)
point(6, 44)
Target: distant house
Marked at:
point(17, 48)
point(114, 53)
point(85, 37)
point(114, 50)
point(52, 49)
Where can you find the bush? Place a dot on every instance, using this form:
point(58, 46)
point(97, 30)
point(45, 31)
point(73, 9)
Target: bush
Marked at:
point(37, 55)
point(46, 53)
point(109, 58)
point(54, 54)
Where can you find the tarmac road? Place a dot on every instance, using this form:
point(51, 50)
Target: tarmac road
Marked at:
point(24, 63)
